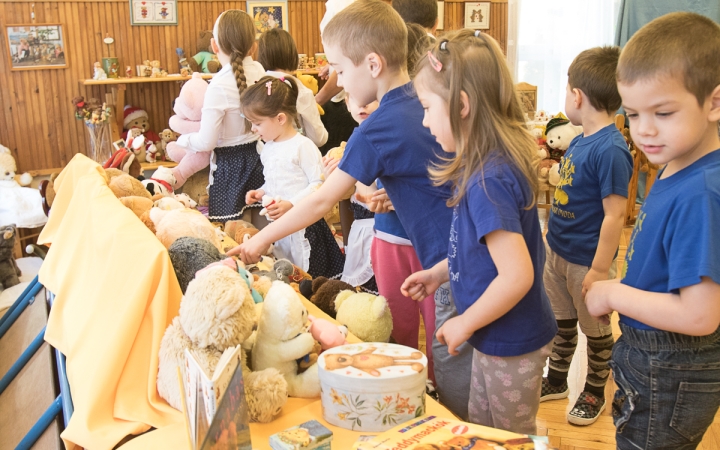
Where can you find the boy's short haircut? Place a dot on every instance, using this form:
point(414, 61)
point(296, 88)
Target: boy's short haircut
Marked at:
point(421, 12)
point(593, 72)
point(682, 44)
point(277, 50)
point(369, 26)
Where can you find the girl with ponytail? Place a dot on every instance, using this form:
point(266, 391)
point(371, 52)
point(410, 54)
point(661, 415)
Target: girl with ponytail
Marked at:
point(235, 166)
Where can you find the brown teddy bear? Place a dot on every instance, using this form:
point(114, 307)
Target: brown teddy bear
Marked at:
point(9, 270)
point(369, 362)
point(204, 60)
point(322, 292)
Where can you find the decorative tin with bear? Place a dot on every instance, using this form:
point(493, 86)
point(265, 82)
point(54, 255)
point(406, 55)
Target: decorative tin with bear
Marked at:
point(372, 386)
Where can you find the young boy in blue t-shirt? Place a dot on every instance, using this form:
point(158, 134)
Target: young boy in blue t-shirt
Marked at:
point(666, 364)
point(584, 229)
point(366, 44)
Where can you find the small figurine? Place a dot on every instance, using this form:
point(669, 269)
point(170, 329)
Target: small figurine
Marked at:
point(185, 69)
point(99, 73)
point(128, 72)
point(113, 70)
point(147, 68)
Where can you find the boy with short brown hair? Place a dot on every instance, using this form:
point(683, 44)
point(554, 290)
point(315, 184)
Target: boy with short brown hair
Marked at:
point(666, 364)
point(586, 220)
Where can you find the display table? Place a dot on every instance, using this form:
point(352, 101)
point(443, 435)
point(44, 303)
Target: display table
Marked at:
point(117, 95)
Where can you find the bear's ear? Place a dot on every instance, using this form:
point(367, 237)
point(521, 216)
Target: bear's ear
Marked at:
point(341, 297)
point(378, 306)
point(317, 283)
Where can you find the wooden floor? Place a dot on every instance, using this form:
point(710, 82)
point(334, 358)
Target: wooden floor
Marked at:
point(551, 419)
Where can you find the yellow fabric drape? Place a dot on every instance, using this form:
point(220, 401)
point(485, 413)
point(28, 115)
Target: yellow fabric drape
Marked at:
point(116, 292)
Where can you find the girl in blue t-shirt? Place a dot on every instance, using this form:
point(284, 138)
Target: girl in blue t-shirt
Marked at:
point(496, 252)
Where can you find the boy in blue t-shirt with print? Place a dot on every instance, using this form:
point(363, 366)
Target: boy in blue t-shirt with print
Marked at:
point(586, 220)
point(666, 364)
point(366, 44)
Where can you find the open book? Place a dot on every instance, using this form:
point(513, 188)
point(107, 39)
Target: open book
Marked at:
point(215, 407)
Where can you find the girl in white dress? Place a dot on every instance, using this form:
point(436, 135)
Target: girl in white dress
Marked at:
point(292, 169)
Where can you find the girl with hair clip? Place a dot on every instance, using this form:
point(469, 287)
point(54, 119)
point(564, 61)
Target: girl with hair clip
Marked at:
point(235, 166)
point(279, 56)
point(292, 169)
point(496, 252)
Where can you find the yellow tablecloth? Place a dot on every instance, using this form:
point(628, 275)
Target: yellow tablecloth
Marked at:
point(116, 292)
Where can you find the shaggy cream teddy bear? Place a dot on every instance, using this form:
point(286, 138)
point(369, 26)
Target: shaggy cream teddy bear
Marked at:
point(281, 340)
point(365, 315)
point(217, 312)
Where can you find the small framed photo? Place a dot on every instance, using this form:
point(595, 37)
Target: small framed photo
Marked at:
point(120, 143)
point(36, 46)
point(268, 15)
point(153, 12)
point(477, 15)
point(441, 16)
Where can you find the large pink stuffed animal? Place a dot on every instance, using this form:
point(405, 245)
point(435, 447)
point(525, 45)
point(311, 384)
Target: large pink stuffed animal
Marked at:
point(188, 110)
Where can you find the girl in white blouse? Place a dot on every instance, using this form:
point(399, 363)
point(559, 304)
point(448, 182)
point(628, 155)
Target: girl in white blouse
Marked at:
point(235, 166)
point(292, 169)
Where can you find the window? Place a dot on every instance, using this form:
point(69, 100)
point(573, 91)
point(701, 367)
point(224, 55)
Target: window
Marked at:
point(550, 34)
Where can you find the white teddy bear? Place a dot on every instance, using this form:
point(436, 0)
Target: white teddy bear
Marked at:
point(282, 339)
point(19, 205)
point(559, 133)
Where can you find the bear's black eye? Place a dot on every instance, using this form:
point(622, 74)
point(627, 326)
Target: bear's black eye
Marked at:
point(342, 359)
point(558, 137)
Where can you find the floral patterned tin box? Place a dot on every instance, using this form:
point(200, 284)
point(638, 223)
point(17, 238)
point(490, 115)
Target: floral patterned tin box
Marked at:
point(372, 386)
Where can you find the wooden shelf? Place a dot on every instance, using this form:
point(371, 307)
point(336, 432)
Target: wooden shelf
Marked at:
point(137, 80)
point(152, 166)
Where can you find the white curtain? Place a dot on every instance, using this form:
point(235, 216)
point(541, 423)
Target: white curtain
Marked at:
point(544, 36)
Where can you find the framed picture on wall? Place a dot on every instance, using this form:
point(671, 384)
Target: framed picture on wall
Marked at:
point(268, 15)
point(153, 12)
point(441, 15)
point(477, 15)
point(36, 46)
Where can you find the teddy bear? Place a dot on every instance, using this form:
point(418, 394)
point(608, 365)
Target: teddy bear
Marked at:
point(188, 112)
point(155, 70)
point(9, 270)
point(161, 182)
point(369, 362)
point(204, 60)
point(559, 132)
point(20, 205)
point(285, 271)
point(327, 333)
point(322, 292)
point(281, 340)
point(176, 223)
point(124, 185)
point(217, 312)
point(124, 160)
point(134, 117)
point(166, 136)
point(185, 69)
point(365, 315)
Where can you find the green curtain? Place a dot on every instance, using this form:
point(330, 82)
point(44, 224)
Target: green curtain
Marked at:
point(636, 13)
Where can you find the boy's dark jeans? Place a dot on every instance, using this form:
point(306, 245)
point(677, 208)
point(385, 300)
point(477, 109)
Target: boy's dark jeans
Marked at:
point(668, 388)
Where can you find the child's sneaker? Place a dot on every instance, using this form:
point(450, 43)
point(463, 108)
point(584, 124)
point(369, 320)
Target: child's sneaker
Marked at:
point(550, 392)
point(587, 409)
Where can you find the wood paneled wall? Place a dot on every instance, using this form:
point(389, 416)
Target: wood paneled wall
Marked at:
point(37, 121)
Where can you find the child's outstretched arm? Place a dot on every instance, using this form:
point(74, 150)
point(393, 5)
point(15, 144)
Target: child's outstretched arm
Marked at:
point(610, 230)
point(695, 311)
point(514, 279)
point(311, 209)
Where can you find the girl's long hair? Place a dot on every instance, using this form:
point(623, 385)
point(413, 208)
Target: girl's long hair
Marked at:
point(234, 33)
point(474, 64)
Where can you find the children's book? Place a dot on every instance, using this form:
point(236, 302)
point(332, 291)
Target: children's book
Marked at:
point(215, 407)
point(431, 432)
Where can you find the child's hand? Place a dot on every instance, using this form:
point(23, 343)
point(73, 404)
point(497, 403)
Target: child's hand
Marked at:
point(420, 284)
point(251, 251)
point(324, 73)
point(254, 196)
point(380, 202)
point(453, 333)
point(277, 209)
point(598, 298)
point(591, 277)
point(329, 164)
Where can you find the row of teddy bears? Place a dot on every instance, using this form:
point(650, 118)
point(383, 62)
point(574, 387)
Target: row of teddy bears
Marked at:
point(204, 61)
point(224, 301)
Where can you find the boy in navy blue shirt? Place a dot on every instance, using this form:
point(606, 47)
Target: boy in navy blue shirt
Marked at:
point(586, 220)
point(366, 44)
point(666, 364)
